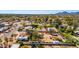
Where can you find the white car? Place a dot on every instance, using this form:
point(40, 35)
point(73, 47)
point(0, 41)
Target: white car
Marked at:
point(56, 42)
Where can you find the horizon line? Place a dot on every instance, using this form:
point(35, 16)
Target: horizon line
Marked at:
point(35, 11)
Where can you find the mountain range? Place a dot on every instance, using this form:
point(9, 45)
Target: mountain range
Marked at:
point(68, 13)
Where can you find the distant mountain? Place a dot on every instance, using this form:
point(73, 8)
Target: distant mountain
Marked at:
point(67, 13)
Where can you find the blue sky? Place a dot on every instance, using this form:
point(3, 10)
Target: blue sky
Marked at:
point(34, 11)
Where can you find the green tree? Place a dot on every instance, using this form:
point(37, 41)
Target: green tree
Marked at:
point(34, 36)
point(57, 22)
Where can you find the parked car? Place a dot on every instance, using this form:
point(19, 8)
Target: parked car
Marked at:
point(23, 38)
